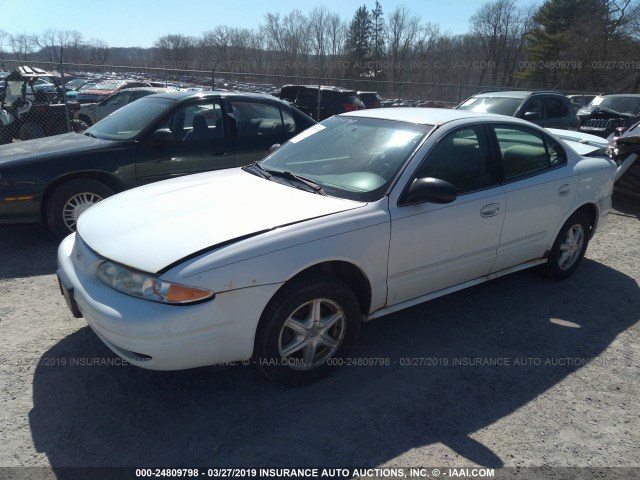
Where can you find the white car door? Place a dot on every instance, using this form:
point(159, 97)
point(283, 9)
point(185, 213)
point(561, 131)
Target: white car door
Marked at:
point(539, 192)
point(435, 246)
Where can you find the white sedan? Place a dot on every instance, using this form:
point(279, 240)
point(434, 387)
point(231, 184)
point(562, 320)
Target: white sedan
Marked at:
point(364, 214)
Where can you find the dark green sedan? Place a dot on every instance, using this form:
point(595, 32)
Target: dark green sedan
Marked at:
point(160, 136)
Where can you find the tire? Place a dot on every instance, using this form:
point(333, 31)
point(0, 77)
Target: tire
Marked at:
point(70, 200)
point(307, 330)
point(86, 120)
point(30, 130)
point(78, 125)
point(569, 247)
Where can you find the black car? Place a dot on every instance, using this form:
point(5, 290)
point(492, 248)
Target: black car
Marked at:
point(547, 109)
point(157, 137)
point(323, 102)
point(606, 113)
point(370, 99)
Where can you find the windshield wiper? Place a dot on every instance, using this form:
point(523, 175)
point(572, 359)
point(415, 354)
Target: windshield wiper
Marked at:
point(89, 134)
point(256, 169)
point(299, 179)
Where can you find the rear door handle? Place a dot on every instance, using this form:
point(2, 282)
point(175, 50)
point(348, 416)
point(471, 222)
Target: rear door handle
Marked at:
point(490, 210)
point(564, 190)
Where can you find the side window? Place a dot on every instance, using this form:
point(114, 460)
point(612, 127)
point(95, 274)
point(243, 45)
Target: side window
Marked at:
point(556, 107)
point(253, 118)
point(119, 99)
point(526, 152)
point(137, 95)
point(289, 122)
point(534, 105)
point(462, 159)
point(202, 121)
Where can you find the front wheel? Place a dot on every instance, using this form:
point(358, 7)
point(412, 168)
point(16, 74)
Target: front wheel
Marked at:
point(78, 125)
point(569, 247)
point(307, 330)
point(70, 200)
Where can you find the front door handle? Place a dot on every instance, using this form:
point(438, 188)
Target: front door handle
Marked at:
point(490, 210)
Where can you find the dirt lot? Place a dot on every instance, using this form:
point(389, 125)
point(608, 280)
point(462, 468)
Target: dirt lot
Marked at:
point(516, 372)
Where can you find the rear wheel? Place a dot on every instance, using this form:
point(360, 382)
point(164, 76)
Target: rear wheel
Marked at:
point(569, 248)
point(70, 200)
point(86, 120)
point(307, 330)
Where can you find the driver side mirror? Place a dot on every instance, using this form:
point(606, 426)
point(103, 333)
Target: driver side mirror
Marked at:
point(531, 116)
point(163, 135)
point(429, 189)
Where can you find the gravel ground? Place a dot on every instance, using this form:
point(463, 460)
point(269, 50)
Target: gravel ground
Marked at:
point(517, 372)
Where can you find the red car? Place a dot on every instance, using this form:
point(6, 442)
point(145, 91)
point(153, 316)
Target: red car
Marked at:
point(107, 87)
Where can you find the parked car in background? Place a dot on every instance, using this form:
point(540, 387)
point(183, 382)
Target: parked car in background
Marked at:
point(580, 100)
point(434, 104)
point(606, 113)
point(321, 103)
point(365, 214)
point(105, 88)
point(547, 109)
point(624, 149)
point(154, 138)
point(370, 99)
point(73, 86)
point(91, 113)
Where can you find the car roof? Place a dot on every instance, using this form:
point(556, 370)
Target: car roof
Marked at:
point(147, 89)
point(428, 116)
point(26, 72)
point(187, 95)
point(619, 95)
point(322, 87)
point(516, 93)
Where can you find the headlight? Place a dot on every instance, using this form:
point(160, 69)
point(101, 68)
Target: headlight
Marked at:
point(146, 286)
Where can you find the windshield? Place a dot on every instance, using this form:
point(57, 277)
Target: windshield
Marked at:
point(624, 104)
point(499, 105)
point(108, 85)
point(128, 121)
point(349, 157)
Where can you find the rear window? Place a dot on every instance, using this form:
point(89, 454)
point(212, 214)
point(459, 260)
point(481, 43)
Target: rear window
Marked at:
point(499, 105)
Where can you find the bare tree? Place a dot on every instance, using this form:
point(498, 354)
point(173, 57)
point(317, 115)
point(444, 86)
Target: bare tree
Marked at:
point(288, 39)
point(98, 51)
point(22, 45)
point(4, 36)
point(403, 29)
point(497, 27)
point(175, 50)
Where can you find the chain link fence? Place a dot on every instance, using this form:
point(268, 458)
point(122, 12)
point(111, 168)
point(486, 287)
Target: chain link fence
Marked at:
point(36, 105)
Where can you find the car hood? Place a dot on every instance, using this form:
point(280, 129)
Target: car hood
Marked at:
point(152, 227)
point(48, 147)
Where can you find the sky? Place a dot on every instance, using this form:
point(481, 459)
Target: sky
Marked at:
point(139, 23)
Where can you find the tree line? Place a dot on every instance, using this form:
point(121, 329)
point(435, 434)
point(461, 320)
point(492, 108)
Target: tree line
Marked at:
point(569, 45)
